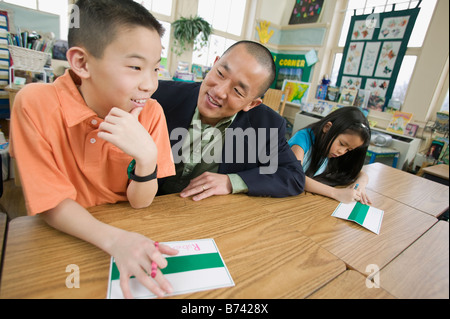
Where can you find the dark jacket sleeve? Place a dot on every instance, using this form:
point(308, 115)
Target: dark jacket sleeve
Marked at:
point(276, 171)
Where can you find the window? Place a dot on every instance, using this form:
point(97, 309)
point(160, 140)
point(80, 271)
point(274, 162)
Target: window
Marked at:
point(227, 19)
point(161, 7)
point(165, 44)
point(416, 40)
point(444, 107)
point(223, 15)
point(62, 9)
point(157, 6)
point(403, 78)
point(216, 47)
point(336, 66)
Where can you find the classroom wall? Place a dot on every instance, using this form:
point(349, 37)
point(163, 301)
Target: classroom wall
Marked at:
point(301, 38)
point(429, 82)
point(275, 11)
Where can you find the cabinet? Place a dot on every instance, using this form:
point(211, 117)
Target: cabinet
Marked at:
point(407, 146)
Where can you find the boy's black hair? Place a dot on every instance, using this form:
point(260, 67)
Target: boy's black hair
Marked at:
point(100, 20)
point(263, 56)
point(344, 169)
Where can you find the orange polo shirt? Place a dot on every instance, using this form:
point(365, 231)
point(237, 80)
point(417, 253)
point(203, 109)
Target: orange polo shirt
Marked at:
point(54, 142)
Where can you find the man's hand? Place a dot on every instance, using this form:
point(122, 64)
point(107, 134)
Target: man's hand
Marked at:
point(206, 185)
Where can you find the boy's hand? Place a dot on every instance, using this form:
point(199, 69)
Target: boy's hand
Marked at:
point(134, 254)
point(124, 130)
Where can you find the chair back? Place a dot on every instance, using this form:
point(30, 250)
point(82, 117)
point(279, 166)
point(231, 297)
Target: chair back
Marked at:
point(273, 99)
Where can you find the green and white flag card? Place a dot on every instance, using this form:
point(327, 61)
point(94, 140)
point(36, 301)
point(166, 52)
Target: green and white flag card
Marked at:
point(367, 216)
point(198, 266)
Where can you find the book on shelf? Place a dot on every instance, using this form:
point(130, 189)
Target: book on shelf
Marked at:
point(441, 124)
point(321, 93)
point(398, 122)
point(411, 129)
point(347, 97)
point(376, 103)
point(362, 98)
point(332, 94)
point(438, 149)
point(443, 157)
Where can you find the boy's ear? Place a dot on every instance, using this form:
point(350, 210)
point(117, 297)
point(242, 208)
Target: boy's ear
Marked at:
point(78, 61)
point(327, 127)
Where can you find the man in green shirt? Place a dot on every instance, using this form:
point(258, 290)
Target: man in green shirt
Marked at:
point(223, 139)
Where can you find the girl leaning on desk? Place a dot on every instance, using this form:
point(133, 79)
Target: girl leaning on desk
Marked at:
point(332, 152)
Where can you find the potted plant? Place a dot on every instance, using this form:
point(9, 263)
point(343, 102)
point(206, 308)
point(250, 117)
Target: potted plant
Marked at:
point(186, 31)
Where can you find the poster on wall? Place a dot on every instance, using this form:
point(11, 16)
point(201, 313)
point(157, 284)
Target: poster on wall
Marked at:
point(386, 61)
point(351, 82)
point(393, 28)
point(374, 51)
point(370, 58)
point(298, 91)
point(306, 11)
point(362, 31)
point(292, 67)
point(353, 58)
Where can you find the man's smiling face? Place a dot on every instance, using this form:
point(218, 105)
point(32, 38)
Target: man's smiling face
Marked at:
point(232, 85)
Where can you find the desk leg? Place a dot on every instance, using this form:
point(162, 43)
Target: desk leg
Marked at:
point(395, 161)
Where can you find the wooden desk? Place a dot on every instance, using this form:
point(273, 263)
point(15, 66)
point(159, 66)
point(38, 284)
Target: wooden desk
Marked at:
point(273, 247)
point(438, 173)
point(440, 170)
point(356, 246)
point(422, 270)
point(422, 194)
point(350, 285)
point(266, 258)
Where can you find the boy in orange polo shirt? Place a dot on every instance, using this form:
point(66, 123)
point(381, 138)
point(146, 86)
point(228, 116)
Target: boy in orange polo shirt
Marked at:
point(73, 140)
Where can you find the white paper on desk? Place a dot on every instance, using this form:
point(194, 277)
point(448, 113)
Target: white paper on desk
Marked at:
point(198, 266)
point(367, 216)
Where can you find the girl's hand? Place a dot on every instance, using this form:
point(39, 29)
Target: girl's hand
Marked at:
point(134, 254)
point(350, 194)
point(364, 198)
point(347, 195)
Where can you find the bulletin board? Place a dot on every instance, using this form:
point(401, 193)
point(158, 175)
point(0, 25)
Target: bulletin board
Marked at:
point(306, 11)
point(374, 51)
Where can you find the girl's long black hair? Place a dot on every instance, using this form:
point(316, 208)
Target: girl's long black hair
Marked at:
point(344, 169)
